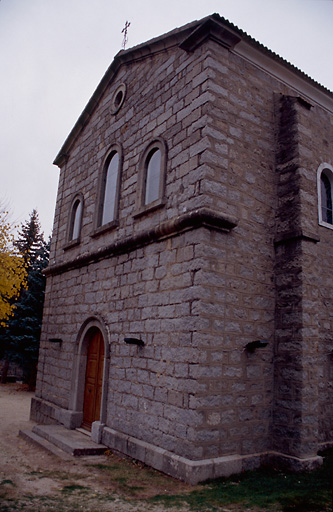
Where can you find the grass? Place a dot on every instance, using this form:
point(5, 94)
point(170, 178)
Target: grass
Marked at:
point(55, 475)
point(287, 492)
point(133, 480)
point(264, 490)
point(73, 488)
point(7, 482)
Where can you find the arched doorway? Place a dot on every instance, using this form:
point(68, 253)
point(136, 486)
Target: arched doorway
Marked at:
point(93, 379)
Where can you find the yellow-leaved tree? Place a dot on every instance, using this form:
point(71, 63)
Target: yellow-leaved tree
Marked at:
point(12, 269)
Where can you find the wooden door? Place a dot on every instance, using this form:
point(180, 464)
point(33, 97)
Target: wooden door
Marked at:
point(94, 381)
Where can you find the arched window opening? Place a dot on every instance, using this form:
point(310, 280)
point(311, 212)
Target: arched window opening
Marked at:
point(325, 196)
point(110, 189)
point(153, 176)
point(75, 224)
point(326, 199)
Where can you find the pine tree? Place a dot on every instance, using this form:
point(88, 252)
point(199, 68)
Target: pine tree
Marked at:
point(22, 334)
point(30, 239)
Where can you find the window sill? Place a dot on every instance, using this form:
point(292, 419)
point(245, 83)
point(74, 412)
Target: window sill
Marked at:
point(110, 226)
point(151, 207)
point(72, 243)
point(325, 224)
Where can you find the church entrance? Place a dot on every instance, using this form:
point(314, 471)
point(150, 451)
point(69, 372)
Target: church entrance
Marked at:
point(93, 381)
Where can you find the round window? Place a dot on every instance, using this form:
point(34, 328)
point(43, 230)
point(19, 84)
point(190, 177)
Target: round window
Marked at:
point(118, 98)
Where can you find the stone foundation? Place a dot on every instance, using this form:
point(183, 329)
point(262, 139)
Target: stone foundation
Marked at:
point(195, 471)
point(47, 413)
point(190, 471)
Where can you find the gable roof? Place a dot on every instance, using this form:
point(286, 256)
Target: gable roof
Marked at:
point(189, 37)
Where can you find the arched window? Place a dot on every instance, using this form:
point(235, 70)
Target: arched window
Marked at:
point(110, 189)
point(75, 219)
point(152, 177)
point(108, 195)
point(325, 197)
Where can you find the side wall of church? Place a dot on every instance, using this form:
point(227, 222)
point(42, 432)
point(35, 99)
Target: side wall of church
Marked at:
point(319, 144)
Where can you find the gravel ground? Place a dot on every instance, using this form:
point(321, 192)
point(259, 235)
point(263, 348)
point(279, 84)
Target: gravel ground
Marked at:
point(33, 479)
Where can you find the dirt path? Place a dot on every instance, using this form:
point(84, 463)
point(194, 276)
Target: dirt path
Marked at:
point(32, 479)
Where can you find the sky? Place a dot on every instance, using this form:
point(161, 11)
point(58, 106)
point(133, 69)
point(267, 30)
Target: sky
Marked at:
point(53, 53)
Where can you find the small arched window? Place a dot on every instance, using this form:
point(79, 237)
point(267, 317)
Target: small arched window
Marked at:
point(325, 197)
point(108, 195)
point(152, 177)
point(75, 219)
point(110, 189)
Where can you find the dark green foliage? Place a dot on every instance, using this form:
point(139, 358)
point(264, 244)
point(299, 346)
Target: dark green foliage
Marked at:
point(73, 487)
point(7, 482)
point(20, 339)
point(30, 239)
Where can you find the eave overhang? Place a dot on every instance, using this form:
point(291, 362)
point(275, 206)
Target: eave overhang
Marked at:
point(188, 38)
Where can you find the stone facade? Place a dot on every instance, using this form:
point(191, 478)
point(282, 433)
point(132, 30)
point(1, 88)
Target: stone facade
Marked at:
point(231, 253)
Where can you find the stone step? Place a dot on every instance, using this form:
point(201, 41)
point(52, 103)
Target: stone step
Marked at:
point(63, 440)
point(44, 444)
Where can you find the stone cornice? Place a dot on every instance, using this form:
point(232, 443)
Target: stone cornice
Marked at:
point(210, 29)
point(296, 235)
point(202, 217)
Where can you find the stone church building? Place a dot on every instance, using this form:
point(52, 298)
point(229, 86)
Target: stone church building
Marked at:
point(188, 315)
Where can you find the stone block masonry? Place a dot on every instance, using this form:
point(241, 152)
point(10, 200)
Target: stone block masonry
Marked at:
point(230, 254)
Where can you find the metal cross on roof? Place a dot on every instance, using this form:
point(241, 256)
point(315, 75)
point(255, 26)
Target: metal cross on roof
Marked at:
point(124, 31)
